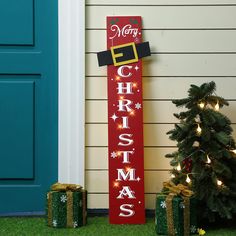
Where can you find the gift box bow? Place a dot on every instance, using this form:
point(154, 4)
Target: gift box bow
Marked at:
point(184, 192)
point(66, 187)
point(180, 189)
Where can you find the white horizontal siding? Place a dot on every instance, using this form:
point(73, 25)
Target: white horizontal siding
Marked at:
point(192, 41)
point(163, 87)
point(154, 111)
point(97, 181)
point(153, 158)
point(171, 17)
point(100, 200)
point(160, 2)
point(175, 41)
point(154, 135)
point(176, 65)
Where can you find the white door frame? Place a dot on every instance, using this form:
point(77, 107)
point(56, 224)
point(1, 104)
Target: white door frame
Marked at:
point(71, 100)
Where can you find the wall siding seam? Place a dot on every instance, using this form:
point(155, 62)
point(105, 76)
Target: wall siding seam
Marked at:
point(177, 76)
point(162, 5)
point(146, 170)
point(144, 100)
point(181, 53)
point(165, 28)
point(144, 146)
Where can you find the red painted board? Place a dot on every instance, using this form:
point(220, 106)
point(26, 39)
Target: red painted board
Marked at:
point(125, 127)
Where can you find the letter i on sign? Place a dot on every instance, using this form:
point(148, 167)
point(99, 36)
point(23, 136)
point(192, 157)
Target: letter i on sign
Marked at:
point(125, 124)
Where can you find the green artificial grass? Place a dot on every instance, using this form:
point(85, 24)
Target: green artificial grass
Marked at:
point(97, 226)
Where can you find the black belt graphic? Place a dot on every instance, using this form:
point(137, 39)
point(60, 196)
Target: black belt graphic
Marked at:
point(123, 54)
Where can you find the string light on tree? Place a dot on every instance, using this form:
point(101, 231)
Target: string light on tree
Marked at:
point(201, 105)
point(219, 183)
point(178, 167)
point(172, 176)
point(217, 107)
point(208, 160)
point(199, 129)
point(234, 151)
point(188, 180)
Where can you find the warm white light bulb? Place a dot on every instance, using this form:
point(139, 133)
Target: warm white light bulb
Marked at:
point(196, 144)
point(199, 130)
point(178, 167)
point(172, 176)
point(188, 180)
point(132, 113)
point(117, 77)
point(208, 160)
point(234, 151)
point(201, 105)
point(219, 183)
point(217, 107)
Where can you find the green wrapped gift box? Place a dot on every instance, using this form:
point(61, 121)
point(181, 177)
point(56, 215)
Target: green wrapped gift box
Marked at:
point(178, 206)
point(66, 208)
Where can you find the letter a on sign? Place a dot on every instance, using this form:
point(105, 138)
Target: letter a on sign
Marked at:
point(125, 119)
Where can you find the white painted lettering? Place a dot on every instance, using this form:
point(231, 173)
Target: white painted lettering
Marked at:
point(123, 175)
point(127, 208)
point(124, 105)
point(121, 71)
point(126, 192)
point(127, 140)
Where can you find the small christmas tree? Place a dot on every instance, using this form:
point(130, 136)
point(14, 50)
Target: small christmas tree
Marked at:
point(206, 155)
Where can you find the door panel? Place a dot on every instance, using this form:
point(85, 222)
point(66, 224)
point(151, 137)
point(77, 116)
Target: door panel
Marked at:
point(17, 129)
point(28, 104)
point(16, 22)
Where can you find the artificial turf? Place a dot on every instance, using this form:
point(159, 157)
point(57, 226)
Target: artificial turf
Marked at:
point(97, 226)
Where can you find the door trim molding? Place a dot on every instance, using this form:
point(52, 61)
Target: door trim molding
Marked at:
point(71, 100)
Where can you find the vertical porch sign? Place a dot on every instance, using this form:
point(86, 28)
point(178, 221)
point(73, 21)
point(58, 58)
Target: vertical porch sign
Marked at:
point(125, 118)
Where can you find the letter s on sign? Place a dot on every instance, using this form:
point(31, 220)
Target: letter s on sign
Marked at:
point(126, 209)
point(127, 140)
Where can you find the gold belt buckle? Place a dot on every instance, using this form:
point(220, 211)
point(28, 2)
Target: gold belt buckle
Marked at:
point(118, 55)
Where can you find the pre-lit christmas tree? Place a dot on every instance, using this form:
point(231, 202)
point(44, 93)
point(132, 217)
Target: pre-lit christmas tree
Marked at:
point(206, 155)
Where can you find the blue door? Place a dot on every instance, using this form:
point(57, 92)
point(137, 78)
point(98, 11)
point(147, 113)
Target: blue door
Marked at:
point(28, 103)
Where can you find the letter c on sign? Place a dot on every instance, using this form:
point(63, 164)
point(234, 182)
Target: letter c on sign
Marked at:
point(121, 69)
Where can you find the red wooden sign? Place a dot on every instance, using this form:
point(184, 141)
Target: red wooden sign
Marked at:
point(125, 125)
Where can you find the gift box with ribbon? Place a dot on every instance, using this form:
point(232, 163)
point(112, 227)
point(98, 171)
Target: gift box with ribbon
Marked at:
point(66, 206)
point(176, 211)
